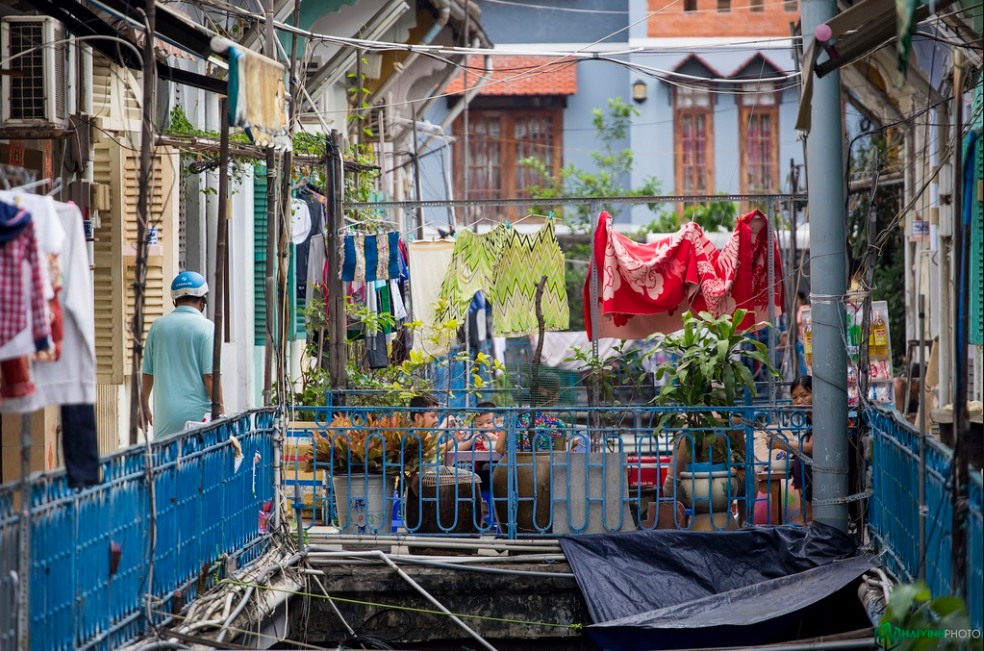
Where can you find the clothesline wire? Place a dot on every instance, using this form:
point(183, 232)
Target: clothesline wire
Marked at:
point(576, 201)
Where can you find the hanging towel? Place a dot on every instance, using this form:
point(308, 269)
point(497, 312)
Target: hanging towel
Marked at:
point(371, 257)
point(257, 97)
point(526, 258)
point(429, 263)
point(473, 269)
point(645, 288)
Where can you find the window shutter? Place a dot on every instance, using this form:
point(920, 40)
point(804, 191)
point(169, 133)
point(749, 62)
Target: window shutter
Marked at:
point(108, 263)
point(115, 252)
point(295, 323)
point(259, 254)
point(116, 96)
point(977, 251)
point(160, 256)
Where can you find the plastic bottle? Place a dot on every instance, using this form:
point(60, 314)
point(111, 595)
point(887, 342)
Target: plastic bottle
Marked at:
point(808, 343)
point(879, 333)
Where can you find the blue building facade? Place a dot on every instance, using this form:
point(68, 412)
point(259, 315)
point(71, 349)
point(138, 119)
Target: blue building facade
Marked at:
point(717, 115)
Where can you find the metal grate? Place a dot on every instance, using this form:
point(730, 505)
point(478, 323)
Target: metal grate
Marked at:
point(27, 89)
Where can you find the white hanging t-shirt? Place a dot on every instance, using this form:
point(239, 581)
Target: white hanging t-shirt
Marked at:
point(300, 221)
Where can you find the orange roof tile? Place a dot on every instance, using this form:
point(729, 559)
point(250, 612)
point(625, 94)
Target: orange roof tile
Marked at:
point(521, 75)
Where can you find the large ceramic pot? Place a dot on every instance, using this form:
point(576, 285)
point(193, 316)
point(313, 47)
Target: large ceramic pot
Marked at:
point(532, 492)
point(448, 501)
point(706, 488)
point(360, 502)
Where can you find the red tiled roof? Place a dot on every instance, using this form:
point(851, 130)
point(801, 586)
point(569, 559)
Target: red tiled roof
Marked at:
point(521, 75)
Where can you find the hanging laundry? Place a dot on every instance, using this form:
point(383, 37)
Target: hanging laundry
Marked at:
point(71, 379)
point(645, 288)
point(473, 269)
point(14, 301)
point(257, 97)
point(370, 257)
point(526, 258)
point(429, 262)
point(300, 221)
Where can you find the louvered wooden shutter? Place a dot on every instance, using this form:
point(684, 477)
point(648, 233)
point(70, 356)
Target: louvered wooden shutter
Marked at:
point(115, 251)
point(108, 259)
point(116, 96)
point(164, 217)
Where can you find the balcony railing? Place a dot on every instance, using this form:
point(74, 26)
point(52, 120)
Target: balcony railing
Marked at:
point(91, 549)
point(583, 470)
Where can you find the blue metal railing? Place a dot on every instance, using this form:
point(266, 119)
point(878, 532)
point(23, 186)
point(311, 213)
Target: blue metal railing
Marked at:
point(204, 509)
point(604, 476)
point(895, 509)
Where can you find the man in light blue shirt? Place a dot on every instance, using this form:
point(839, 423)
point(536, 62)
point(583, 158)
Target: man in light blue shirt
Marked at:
point(177, 363)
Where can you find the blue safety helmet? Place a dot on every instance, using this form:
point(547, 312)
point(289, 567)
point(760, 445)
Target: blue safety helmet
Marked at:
point(188, 283)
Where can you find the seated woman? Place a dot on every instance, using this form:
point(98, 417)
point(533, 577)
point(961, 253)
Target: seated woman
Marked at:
point(802, 472)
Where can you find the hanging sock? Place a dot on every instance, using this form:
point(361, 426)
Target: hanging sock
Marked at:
point(526, 258)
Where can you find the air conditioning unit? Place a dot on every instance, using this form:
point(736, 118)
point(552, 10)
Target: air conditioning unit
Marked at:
point(35, 84)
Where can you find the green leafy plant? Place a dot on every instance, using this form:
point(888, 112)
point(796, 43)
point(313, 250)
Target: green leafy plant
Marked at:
point(914, 621)
point(708, 371)
point(385, 439)
point(620, 377)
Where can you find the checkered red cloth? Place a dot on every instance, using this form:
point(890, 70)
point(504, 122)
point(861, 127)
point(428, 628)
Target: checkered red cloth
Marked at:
point(13, 311)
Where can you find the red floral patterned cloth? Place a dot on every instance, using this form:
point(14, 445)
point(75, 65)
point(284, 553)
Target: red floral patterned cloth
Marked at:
point(645, 288)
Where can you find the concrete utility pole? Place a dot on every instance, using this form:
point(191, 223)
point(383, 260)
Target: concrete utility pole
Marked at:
point(824, 154)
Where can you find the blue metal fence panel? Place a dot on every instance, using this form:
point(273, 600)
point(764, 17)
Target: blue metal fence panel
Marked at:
point(895, 510)
point(895, 505)
point(975, 549)
point(9, 546)
point(204, 508)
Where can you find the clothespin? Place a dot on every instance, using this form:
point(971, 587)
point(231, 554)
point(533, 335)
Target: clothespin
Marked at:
point(508, 224)
point(551, 215)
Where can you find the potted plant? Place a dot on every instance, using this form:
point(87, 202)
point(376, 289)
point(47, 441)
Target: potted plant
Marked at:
point(366, 456)
point(708, 376)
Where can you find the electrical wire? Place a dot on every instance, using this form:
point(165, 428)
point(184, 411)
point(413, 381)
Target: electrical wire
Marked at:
point(572, 10)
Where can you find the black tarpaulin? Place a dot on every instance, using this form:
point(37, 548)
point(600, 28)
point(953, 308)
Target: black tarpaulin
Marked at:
point(626, 574)
point(751, 615)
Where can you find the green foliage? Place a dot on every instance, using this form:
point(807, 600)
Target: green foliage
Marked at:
point(620, 377)
point(708, 371)
point(718, 216)
point(612, 167)
point(889, 263)
point(914, 621)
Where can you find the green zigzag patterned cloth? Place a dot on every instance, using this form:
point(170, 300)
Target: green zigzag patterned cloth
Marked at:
point(473, 267)
point(525, 260)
